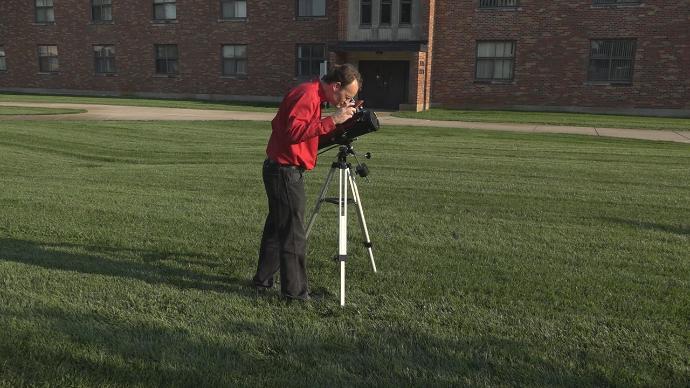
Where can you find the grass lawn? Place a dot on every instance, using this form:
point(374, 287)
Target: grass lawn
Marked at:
point(576, 119)
point(504, 259)
point(22, 110)
point(150, 102)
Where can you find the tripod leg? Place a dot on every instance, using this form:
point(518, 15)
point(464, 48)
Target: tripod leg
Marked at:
point(342, 228)
point(362, 221)
point(319, 200)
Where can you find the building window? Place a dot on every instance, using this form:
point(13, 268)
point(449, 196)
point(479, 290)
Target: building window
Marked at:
point(311, 8)
point(615, 2)
point(104, 59)
point(233, 9)
point(3, 63)
point(166, 59)
point(48, 59)
point(386, 10)
point(405, 11)
point(165, 9)
point(365, 12)
point(611, 60)
point(235, 60)
point(495, 60)
point(44, 11)
point(498, 3)
point(309, 59)
point(102, 10)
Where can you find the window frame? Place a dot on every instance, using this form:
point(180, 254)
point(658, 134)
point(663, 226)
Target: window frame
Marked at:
point(100, 9)
point(163, 3)
point(166, 59)
point(222, 15)
point(3, 58)
point(223, 60)
point(104, 58)
point(361, 12)
point(311, 59)
point(611, 58)
point(41, 57)
point(400, 13)
point(493, 79)
point(388, 3)
point(311, 16)
point(42, 8)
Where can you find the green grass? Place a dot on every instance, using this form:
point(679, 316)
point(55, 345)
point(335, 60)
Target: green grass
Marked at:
point(504, 259)
point(22, 110)
point(150, 102)
point(549, 118)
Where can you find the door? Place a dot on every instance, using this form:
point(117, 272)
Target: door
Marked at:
point(384, 83)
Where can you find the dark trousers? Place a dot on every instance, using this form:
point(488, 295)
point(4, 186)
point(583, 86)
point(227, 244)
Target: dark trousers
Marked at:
point(284, 243)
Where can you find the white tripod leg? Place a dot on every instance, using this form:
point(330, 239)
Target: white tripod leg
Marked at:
point(342, 228)
point(362, 221)
point(319, 200)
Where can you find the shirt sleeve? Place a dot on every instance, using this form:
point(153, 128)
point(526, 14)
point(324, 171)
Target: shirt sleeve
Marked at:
point(301, 126)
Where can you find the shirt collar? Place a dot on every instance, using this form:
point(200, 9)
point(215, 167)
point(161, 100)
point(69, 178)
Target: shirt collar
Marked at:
point(322, 92)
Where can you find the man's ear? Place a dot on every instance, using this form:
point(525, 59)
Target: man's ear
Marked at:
point(336, 86)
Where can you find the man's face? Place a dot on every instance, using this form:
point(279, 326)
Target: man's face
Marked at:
point(342, 95)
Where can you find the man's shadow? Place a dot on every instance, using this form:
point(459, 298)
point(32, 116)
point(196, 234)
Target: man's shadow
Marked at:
point(148, 266)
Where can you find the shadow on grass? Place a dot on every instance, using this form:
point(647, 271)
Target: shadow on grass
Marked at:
point(92, 348)
point(682, 229)
point(149, 266)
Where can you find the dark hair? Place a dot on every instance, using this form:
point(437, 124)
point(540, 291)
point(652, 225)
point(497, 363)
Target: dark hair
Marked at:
point(344, 74)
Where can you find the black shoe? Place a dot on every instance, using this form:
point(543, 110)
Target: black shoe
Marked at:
point(261, 290)
point(319, 294)
point(316, 297)
point(289, 298)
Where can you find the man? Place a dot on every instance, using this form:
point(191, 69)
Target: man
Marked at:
point(291, 150)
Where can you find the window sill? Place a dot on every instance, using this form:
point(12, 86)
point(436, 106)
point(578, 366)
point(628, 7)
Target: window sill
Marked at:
point(101, 23)
point(232, 20)
point(305, 78)
point(105, 74)
point(163, 21)
point(500, 9)
point(237, 77)
point(48, 73)
point(630, 5)
point(43, 23)
point(308, 18)
point(165, 75)
point(365, 26)
point(608, 83)
point(494, 82)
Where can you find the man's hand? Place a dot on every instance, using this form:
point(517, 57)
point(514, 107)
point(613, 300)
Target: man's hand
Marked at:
point(343, 114)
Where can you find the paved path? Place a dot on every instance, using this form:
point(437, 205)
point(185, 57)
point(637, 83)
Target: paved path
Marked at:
point(118, 112)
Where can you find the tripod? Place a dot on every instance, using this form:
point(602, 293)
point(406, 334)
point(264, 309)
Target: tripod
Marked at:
point(345, 179)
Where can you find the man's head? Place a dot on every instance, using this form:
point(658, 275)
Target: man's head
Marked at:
point(342, 84)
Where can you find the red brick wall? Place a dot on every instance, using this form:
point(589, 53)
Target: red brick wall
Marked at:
point(552, 56)
point(271, 32)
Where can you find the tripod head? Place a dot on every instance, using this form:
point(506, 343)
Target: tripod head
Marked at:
point(347, 149)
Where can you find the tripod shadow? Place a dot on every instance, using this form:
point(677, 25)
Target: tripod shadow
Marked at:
point(148, 266)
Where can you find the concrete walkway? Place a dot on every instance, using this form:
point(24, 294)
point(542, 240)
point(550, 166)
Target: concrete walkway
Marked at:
point(118, 112)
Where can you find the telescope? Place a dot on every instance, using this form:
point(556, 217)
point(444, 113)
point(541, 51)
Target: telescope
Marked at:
point(362, 122)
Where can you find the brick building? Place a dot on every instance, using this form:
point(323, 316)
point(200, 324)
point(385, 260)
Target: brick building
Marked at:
point(588, 55)
point(612, 55)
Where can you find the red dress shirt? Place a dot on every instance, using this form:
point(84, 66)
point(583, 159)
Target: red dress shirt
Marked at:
point(298, 125)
